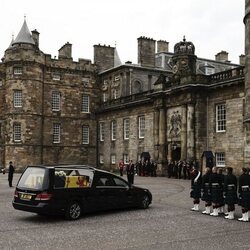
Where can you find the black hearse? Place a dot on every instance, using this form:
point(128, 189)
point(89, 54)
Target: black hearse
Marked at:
point(72, 190)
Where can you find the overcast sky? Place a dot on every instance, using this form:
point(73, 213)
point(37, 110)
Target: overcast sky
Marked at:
point(212, 25)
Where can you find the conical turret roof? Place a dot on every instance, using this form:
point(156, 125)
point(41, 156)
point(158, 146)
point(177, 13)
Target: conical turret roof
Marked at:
point(12, 40)
point(24, 35)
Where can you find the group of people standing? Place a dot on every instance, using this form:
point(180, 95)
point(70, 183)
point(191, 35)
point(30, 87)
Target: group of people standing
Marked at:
point(141, 168)
point(180, 169)
point(218, 190)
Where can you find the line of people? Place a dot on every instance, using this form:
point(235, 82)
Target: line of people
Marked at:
point(218, 190)
point(180, 169)
point(141, 168)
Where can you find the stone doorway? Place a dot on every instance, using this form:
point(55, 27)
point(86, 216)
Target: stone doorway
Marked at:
point(176, 154)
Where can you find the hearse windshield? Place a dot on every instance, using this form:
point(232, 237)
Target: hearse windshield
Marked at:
point(34, 178)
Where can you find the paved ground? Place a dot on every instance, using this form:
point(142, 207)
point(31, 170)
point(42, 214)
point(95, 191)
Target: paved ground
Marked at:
point(167, 224)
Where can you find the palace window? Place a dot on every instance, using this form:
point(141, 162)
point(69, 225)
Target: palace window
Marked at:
point(56, 100)
point(85, 103)
point(126, 129)
point(85, 134)
point(56, 77)
point(18, 98)
point(113, 130)
point(220, 159)
point(220, 118)
point(141, 126)
point(18, 70)
point(56, 133)
point(101, 127)
point(113, 159)
point(125, 159)
point(17, 132)
point(101, 159)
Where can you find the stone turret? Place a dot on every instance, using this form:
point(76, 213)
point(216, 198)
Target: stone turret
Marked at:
point(146, 51)
point(184, 62)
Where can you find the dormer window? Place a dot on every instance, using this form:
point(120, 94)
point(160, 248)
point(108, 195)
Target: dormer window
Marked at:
point(18, 70)
point(56, 77)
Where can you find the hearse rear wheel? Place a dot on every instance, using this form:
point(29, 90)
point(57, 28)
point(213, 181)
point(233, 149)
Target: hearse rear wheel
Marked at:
point(73, 211)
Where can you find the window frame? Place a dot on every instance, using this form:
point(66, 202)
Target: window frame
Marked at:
point(18, 98)
point(17, 132)
point(141, 127)
point(220, 159)
point(85, 140)
point(220, 121)
point(56, 133)
point(126, 158)
point(56, 101)
point(126, 127)
point(85, 103)
point(56, 77)
point(17, 70)
point(101, 131)
point(113, 130)
point(101, 159)
point(113, 159)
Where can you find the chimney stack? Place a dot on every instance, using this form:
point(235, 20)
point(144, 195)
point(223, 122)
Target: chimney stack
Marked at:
point(146, 51)
point(65, 51)
point(104, 57)
point(35, 36)
point(242, 60)
point(222, 56)
point(162, 46)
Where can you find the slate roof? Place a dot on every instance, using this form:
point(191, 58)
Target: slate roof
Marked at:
point(24, 35)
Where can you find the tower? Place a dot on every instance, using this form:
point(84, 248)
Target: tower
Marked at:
point(23, 99)
point(247, 83)
point(184, 62)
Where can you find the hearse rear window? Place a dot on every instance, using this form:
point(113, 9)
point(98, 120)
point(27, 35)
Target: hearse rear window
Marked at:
point(77, 178)
point(33, 178)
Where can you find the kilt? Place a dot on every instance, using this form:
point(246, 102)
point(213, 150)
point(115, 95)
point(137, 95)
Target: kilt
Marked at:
point(206, 196)
point(195, 192)
point(216, 194)
point(231, 195)
point(244, 200)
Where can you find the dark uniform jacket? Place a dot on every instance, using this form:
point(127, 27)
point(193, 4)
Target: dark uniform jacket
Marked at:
point(244, 190)
point(205, 187)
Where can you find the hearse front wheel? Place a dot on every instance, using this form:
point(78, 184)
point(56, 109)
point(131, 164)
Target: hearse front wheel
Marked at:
point(145, 201)
point(73, 211)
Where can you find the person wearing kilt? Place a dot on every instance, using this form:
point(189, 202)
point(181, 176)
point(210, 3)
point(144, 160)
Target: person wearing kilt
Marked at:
point(244, 194)
point(230, 192)
point(195, 188)
point(206, 196)
point(215, 186)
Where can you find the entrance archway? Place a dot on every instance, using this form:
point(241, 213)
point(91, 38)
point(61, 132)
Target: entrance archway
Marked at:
point(176, 154)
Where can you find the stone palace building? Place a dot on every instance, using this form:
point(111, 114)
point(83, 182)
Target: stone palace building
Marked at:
point(171, 105)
